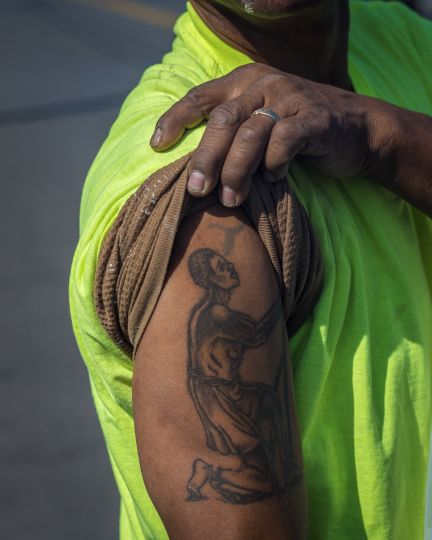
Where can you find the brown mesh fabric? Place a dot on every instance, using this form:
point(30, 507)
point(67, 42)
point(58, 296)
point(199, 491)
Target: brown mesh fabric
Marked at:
point(135, 254)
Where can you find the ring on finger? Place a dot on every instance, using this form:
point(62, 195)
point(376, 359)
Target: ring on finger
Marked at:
point(267, 112)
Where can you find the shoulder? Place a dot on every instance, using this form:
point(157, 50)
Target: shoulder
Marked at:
point(126, 159)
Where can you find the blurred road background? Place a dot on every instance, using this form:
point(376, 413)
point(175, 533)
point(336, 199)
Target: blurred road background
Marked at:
point(65, 68)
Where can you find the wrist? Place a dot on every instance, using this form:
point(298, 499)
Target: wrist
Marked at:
point(401, 154)
point(386, 134)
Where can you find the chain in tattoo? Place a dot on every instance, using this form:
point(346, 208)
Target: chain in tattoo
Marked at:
point(246, 425)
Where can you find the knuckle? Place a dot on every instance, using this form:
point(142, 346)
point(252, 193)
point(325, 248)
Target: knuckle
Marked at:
point(322, 114)
point(200, 161)
point(245, 68)
point(268, 78)
point(287, 139)
point(290, 83)
point(248, 134)
point(194, 96)
point(328, 119)
point(296, 86)
point(319, 121)
point(271, 78)
point(226, 116)
point(282, 133)
point(296, 83)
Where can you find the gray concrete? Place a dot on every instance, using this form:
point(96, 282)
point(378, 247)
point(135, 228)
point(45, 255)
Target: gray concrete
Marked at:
point(64, 70)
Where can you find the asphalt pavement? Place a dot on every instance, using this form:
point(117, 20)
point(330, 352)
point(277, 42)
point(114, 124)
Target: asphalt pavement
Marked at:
point(65, 68)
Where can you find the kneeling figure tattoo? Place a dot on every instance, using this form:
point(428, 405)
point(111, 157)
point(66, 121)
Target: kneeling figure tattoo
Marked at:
point(246, 425)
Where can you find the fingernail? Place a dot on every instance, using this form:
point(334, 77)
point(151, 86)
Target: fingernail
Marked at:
point(156, 138)
point(196, 182)
point(229, 197)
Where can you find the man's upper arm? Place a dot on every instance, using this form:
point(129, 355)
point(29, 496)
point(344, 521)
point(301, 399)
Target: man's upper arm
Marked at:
point(214, 411)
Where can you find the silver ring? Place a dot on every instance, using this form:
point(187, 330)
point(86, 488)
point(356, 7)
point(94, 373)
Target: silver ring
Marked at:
point(267, 112)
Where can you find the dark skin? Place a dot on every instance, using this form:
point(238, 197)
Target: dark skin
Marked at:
point(300, 47)
point(221, 460)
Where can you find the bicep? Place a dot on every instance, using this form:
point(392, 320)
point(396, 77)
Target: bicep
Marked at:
point(215, 419)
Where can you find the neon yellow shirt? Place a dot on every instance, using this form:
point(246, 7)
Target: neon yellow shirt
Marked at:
point(362, 361)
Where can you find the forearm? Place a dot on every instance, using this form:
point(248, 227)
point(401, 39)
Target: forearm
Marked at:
point(402, 154)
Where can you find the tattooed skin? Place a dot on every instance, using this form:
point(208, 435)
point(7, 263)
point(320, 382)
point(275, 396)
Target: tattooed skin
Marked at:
point(230, 234)
point(246, 424)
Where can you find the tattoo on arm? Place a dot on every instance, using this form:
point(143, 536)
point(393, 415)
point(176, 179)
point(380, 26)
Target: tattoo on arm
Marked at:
point(246, 425)
point(229, 235)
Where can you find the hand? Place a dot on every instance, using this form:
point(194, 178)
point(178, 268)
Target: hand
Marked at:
point(338, 131)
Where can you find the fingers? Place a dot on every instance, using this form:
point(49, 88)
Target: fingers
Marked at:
point(219, 141)
point(289, 138)
point(233, 149)
point(188, 112)
point(207, 160)
point(197, 104)
point(244, 158)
